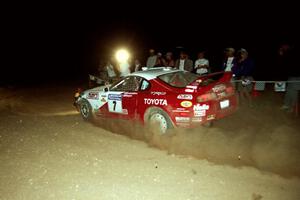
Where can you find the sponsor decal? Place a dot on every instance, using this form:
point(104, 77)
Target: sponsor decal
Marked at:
point(189, 90)
point(127, 95)
point(92, 95)
point(116, 97)
point(200, 110)
point(182, 124)
point(185, 96)
point(197, 119)
point(192, 87)
point(182, 119)
point(186, 104)
point(130, 93)
point(219, 88)
point(180, 110)
point(158, 93)
point(201, 107)
point(162, 102)
point(280, 86)
point(199, 113)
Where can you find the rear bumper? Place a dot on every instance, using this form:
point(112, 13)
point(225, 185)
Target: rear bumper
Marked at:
point(215, 112)
point(223, 112)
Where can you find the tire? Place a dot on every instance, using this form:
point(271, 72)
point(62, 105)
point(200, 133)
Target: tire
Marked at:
point(156, 116)
point(86, 110)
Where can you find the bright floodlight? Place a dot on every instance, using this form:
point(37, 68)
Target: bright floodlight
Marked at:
point(122, 55)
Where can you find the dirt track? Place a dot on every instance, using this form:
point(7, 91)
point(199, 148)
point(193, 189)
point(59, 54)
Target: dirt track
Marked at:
point(48, 152)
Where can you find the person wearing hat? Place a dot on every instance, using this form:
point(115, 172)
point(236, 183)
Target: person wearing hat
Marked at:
point(230, 60)
point(243, 72)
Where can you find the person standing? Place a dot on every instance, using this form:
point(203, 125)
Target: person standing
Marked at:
point(291, 97)
point(152, 59)
point(230, 60)
point(159, 60)
point(111, 74)
point(201, 64)
point(184, 63)
point(169, 61)
point(124, 68)
point(243, 73)
point(137, 65)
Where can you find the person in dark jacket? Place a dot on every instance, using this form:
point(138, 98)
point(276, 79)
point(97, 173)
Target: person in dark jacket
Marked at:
point(243, 72)
point(291, 72)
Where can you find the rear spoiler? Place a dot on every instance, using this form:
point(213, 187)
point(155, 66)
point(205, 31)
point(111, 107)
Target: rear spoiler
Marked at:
point(208, 79)
point(224, 76)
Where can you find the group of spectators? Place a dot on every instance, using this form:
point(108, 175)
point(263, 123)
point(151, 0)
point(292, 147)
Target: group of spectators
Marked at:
point(201, 65)
point(238, 62)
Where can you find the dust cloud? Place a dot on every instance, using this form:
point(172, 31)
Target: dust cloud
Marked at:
point(261, 136)
point(264, 138)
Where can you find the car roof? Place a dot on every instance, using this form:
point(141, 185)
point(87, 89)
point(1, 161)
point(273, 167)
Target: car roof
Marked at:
point(152, 73)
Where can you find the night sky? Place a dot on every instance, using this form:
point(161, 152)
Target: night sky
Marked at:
point(46, 43)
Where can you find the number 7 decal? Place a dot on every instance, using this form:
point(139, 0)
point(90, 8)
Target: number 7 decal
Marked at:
point(115, 103)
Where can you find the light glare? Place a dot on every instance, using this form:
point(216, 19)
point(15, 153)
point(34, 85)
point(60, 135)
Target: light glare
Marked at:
point(122, 55)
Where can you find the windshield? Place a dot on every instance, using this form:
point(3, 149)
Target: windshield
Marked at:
point(179, 79)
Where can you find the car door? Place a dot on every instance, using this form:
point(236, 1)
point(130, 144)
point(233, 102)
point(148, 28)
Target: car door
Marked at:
point(122, 98)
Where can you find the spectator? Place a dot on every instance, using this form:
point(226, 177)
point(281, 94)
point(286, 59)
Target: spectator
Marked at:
point(169, 61)
point(152, 59)
point(243, 71)
point(293, 74)
point(124, 68)
point(137, 65)
point(111, 74)
point(201, 64)
point(159, 61)
point(101, 71)
point(291, 97)
point(283, 63)
point(230, 60)
point(184, 63)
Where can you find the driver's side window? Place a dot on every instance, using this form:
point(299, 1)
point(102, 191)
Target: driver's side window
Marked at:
point(129, 84)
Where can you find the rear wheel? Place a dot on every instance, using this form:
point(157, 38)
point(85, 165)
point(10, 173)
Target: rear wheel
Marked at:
point(86, 110)
point(158, 119)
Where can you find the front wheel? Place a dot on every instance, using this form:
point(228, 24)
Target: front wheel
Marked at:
point(86, 110)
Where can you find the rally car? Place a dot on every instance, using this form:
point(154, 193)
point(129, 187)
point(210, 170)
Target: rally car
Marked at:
point(169, 97)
